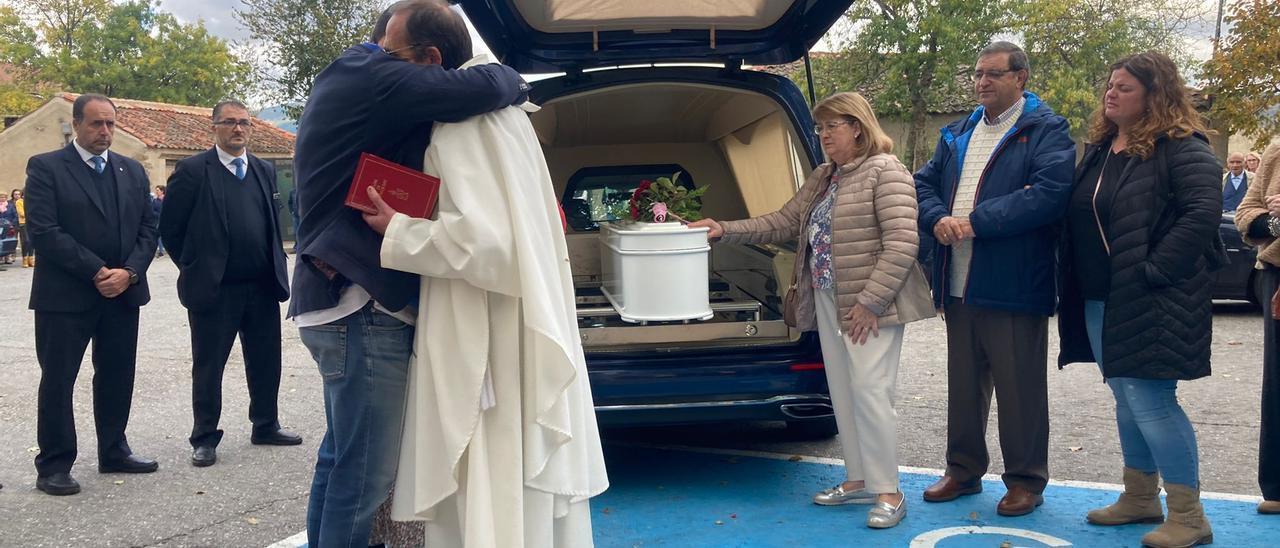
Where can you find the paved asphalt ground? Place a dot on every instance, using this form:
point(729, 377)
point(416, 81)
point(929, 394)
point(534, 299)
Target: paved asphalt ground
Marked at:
point(255, 495)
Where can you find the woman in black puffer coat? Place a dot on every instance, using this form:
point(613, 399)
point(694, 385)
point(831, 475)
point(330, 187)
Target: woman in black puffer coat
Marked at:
point(1140, 240)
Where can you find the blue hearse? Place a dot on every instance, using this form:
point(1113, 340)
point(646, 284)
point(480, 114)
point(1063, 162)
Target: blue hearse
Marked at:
point(627, 104)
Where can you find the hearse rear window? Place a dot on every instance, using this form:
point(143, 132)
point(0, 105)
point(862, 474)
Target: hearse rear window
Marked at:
point(592, 191)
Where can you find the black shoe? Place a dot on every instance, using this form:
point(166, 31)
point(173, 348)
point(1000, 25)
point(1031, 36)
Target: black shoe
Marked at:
point(59, 484)
point(204, 456)
point(279, 437)
point(131, 464)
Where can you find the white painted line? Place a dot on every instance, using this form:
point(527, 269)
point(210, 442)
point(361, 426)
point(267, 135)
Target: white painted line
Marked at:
point(910, 469)
point(292, 542)
point(930, 539)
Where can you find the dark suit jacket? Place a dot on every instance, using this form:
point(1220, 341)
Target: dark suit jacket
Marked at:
point(193, 226)
point(67, 225)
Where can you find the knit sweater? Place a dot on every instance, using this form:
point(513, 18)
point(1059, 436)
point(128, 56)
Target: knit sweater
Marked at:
point(981, 146)
point(1254, 206)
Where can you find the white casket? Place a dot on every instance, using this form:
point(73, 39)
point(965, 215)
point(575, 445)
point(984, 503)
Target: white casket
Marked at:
point(655, 272)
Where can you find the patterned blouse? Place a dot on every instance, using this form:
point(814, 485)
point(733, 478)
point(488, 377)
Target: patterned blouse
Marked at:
point(820, 236)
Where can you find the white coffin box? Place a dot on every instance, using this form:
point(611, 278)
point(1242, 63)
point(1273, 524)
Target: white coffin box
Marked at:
point(655, 272)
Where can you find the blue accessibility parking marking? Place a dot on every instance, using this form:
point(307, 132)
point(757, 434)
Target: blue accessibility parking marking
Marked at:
point(664, 497)
point(694, 498)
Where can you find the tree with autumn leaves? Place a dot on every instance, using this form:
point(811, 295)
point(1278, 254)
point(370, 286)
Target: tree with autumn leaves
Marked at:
point(129, 50)
point(912, 58)
point(1244, 75)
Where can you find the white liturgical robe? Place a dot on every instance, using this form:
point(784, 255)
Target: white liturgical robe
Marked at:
point(500, 445)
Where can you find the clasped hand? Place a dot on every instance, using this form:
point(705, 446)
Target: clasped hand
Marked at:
point(1273, 204)
point(860, 324)
point(949, 230)
point(111, 282)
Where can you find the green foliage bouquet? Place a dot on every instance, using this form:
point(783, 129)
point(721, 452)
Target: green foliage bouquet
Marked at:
point(661, 200)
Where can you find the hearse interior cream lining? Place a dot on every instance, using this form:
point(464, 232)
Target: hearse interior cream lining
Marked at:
point(738, 142)
point(650, 15)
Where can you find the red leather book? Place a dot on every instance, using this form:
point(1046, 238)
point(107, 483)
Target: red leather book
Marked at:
point(408, 191)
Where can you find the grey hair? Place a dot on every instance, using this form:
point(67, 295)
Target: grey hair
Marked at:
point(1017, 57)
point(217, 109)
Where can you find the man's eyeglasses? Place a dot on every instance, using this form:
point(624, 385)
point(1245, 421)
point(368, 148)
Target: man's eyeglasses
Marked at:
point(831, 126)
point(991, 74)
point(403, 48)
point(243, 124)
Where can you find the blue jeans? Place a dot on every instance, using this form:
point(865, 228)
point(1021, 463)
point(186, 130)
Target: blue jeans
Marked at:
point(364, 360)
point(1155, 433)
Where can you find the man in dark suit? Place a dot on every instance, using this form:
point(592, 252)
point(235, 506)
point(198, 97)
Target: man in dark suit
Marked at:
point(89, 215)
point(220, 220)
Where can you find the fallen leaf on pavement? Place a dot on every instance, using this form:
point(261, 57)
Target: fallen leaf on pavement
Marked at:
point(252, 521)
point(35, 449)
point(1075, 449)
point(118, 482)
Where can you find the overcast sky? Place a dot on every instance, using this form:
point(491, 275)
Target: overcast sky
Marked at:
point(219, 18)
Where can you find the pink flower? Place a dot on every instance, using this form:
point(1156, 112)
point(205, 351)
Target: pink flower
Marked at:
point(659, 212)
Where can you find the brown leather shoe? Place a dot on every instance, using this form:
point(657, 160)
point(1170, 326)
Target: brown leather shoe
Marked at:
point(1019, 502)
point(1269, 507)
point(948, 489)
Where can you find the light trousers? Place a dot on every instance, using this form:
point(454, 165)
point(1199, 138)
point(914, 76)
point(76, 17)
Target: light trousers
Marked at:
point(863, 382)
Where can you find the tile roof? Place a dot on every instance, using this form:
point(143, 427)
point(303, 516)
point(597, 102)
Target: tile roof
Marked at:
point(179, 127)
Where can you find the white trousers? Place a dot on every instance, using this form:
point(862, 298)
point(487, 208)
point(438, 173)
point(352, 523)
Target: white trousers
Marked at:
point(863, 381)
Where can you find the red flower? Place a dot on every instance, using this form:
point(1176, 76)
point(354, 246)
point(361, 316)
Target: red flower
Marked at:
point(635, 198)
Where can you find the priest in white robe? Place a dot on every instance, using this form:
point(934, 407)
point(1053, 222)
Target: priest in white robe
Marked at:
point(500, 445)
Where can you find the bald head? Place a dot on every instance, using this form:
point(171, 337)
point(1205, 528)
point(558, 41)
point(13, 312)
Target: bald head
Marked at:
point(1235, 163)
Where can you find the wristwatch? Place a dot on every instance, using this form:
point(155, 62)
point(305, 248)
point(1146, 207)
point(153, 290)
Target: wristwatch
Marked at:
point(133, 276)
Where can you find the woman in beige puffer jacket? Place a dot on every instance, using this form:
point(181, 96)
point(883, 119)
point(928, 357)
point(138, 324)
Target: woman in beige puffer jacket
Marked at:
point(857, 283)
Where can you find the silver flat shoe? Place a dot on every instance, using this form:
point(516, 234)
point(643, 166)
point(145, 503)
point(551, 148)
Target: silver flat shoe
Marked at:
point(836, 496)
point(883, 515)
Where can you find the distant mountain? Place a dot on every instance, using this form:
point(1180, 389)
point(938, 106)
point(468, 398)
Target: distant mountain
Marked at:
point(276, 117)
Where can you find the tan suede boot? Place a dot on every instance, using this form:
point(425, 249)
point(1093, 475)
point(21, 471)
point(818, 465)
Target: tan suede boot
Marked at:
point(1186, 525)
point(1139, 503)
point(27, 262)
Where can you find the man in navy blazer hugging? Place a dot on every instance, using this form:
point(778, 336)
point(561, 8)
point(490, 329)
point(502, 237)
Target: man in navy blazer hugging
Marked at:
point(221, 224)
point(354, 316)
point(89, 214)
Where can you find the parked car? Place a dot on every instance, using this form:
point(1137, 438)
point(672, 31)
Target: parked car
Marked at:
point(604, 126)
point(1237, 280)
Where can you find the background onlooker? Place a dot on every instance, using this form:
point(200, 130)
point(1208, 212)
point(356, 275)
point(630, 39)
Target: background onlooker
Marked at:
point(8, 218)
point(20, 205)
point(1259, 222)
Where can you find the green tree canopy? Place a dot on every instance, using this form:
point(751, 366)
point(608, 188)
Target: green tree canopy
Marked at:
point(911, 56)
point(1244, 76)
point(130, 50)
point(301, 37)
point(1071, 44)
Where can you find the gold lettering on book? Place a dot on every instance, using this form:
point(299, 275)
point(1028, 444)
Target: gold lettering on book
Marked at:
point(379, 185)
point(399, 194)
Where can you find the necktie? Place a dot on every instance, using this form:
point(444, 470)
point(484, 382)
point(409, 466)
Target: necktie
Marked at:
point(98, 163)
point(239, 163)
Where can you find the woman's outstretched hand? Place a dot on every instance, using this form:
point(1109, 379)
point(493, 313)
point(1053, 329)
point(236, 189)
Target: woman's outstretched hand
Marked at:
point(716, 230)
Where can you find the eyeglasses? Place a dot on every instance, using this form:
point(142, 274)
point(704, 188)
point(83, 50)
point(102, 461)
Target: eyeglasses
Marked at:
point(392, 52)
point(242, 123)
point(991, 74)
point(831, 126)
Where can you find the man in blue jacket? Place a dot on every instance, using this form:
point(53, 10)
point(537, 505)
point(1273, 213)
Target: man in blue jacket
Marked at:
point(992, 195)
point(355, 317)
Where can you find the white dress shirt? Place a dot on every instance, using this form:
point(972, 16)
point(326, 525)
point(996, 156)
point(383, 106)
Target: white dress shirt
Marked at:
point(88, 156)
